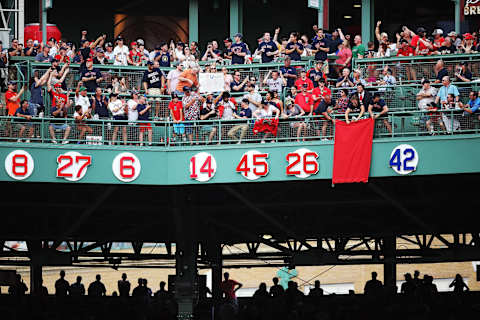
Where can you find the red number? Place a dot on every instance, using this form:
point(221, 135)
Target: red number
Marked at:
point(16, 164)
point(60, 170)
point(208, 164)
point(243, 166)
point(129, 167)
point(194, 171)
point(87, 159)
point(307, 163)
point(290, 172)
point(262, 163)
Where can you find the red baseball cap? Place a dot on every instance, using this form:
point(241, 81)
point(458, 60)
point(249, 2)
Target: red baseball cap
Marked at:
point(89, 60)
point(57, 85)
point(468, 36)
point(133, 43)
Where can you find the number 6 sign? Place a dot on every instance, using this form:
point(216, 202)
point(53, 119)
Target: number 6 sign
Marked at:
point(126, 167)
point(19, 164)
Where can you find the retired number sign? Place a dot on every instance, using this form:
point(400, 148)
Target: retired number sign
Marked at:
point(253, 165)
point(302, 163)
point(202, 167)
point(72, 165)
point(404, 159)
point(19, 164)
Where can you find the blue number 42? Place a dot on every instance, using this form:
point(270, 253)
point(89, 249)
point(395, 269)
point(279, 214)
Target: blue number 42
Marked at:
point(395, 160)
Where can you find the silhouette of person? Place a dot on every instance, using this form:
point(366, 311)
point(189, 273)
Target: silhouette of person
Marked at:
point(228, 287)
point(61, 285)
point(373, 287)
point(124, 286)
point(292, 293)
point(139, 291)
point(276, 290)
point(316, 291)
point(416, 279)
point(162, 293)
point(408, 287)
point(147, 289)
point(261, 293)
point(43, 290)
point(97, 288)
point(77, 289)
point(18, 288)
point(458, 285)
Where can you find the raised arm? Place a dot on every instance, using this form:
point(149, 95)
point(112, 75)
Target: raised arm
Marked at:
point(377, 31)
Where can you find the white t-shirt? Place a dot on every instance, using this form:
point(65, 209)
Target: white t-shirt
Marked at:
point(132, 110)
point(116, 108)
point(255, 96)
point(275, 85)
point(228, 110)
point(120, 55)
point(75, 115)
point(179, 55)
point(109, 55)
point(422, 103)
point(82, 101)
point(173, 77)
point(267, 113)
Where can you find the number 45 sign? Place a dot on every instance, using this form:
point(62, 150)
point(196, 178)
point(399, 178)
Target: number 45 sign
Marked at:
point(404, 159)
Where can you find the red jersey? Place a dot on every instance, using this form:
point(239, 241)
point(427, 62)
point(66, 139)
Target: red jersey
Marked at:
point(228, 287)
point(305, 101)
point(135, 56)
point(299, 84)
point(405, 52)
point(62, 59)
point(176, 109)
point(318, 92)
point(423, 50)
point(437, 43)
point(12, 106)
point(58, 98)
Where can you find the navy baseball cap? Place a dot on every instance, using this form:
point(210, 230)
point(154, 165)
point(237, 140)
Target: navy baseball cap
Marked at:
point(238, 35)
point(149, 63)
point(186, 88)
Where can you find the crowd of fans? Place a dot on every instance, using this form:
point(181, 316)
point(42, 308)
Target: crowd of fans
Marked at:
point(420, 296)
point(290, 93)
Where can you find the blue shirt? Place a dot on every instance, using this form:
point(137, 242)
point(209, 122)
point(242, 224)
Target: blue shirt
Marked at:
point(289, 70)
point(36, 94)
point(237, 48)
point(164, 60)
point(146, 115)
point(445, 91)
point(474, 104)
point(295, 56)
point(320, 55)
point(23, 112)
point(245, 113)
point(268, 47)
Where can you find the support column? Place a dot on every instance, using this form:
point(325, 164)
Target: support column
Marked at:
point(457, 15)
point(186, 289)
point(34, 246)
point(215, 256)
point(390, 263)
point(236, 17)
point(193, 21)
point(43, 9)
point(367, 21)
point(320, 22)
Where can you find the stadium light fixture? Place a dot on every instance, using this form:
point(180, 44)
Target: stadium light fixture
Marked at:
point(267, 236)
point(357, 5)
point(347, 17)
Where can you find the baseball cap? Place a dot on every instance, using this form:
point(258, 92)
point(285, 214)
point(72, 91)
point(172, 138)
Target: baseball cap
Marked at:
point(134, 92)
point(425, 81)
point(58, 85)
point(468, 36)
point(174, 95)
point(149, 63)
point(227, 40)
point(180, 43)
point(82, 89)
point(238, 35)
point(108, 44)
point(63, 48)
point(186, 88)
point(119, 38)
point(452, 34)
point(12, 83)
point(89, 60)
point(421, 30)
point(52, 39)
point(133, 44)
point(140, 42)
point(437, 31)
point(99, 50)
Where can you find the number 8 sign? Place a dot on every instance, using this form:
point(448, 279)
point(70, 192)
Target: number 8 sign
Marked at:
point(19, 164)
point(404, 159)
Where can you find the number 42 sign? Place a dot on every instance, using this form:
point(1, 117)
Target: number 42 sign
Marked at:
point(404, 159)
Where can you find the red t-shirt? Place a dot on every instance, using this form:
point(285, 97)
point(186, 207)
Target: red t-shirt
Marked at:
point(135, 56)
point(437, 43)
point(304, 101)
point(423, 50)
point(62, 59)
point(58, 98)
point(405, 53)
point(299, 84)
point(12, 106)
point(228, 287)
point(318, 92)
point(176, 110)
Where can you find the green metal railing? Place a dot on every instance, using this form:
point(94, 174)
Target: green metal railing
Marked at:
point(410, 69)
point(169, 134)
